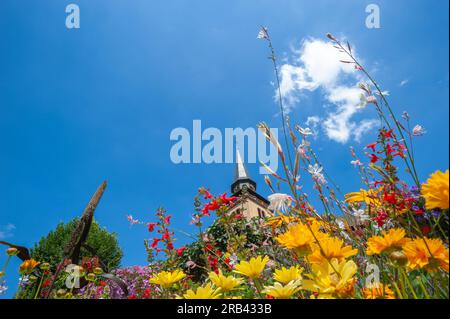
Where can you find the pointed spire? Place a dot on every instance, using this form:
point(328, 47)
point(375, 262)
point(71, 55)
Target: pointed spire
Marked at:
point(241, 176)
point(241, 171)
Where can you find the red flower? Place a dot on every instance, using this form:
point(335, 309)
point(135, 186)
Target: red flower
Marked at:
point(380, 218)
point(225, 200)
point(388, 134)
point(180, 251)
point(378, 183)
point(169, 246)
point(166, 236)
point(373, 158)
point(132, 297)
point(401, 154)
point(151, 226)
point(390, 198)
point(389, 149)
point(167, 219)
point(155, 242)
point(46, 283)
point(372, 146)
point(426, 230)
point(146, 294)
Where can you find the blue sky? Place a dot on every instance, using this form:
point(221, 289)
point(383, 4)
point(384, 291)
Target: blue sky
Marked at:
point(80, 106)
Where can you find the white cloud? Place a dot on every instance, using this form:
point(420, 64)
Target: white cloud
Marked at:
point(6, 231)
point(317, 65)
point(312, 121)
point(364, 127)
point(404, 82)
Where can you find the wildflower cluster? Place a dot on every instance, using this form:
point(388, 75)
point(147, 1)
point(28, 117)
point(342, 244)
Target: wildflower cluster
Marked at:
point(394, 224)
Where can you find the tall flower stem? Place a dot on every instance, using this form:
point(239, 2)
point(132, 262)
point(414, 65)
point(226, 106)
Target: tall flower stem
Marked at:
point(280, 99)
point(39, 287)
point(410, 164)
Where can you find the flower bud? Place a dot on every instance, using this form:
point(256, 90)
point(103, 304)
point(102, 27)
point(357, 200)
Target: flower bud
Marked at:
point(45, 266)
point(12, 251)
point(60, 292)
point(398, 258)
point(68, 295)
point(98, 271)
point(90, 277)
point(331, 37)
point(33, 278)
point(2, 273)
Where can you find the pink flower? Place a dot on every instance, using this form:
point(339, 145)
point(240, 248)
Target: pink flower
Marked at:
point(167, 219)
point(131, 220)
point(371, 99)
point(418, 130)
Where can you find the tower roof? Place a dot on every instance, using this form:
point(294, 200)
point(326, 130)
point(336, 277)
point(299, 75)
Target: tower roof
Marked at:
point(241, 176)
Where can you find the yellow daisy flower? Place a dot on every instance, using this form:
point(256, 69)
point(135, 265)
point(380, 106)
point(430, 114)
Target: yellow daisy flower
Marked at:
point(206, 292)
point(369, 197)
point(167, 278)
point(280, 291)
point(331, 248)
point(277, 221)
point(285, 275)
point(378, 291)
point(225, 283)
point(299, 237)
point(435, 190)
point(252, 268)
point(391, 240)
point(328, 283)
point(419, 256)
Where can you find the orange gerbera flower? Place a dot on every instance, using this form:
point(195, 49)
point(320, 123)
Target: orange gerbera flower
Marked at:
point(435, 190)
point(28, 265)
point(300, 237)
point(430, 256)
point(391, 240)
point(378, 291)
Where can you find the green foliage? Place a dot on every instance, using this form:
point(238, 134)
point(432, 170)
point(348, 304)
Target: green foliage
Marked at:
point(248, 234)
point(105, 245)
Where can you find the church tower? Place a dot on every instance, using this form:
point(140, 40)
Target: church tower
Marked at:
point(250, 204)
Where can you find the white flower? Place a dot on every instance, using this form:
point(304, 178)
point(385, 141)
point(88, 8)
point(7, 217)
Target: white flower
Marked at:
point(304, 131)
point(385, 93)
point(302, 152)
point(24, 280)
point(279, 202)
point(362, 101)
point(305, 143)
point(356, 163)
point(132, 220)
point(360, 215)
point(316, 173)
point(3, 287)
point(341, 225)
point(418, 130)
point(233, 259)
point(262, 34)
